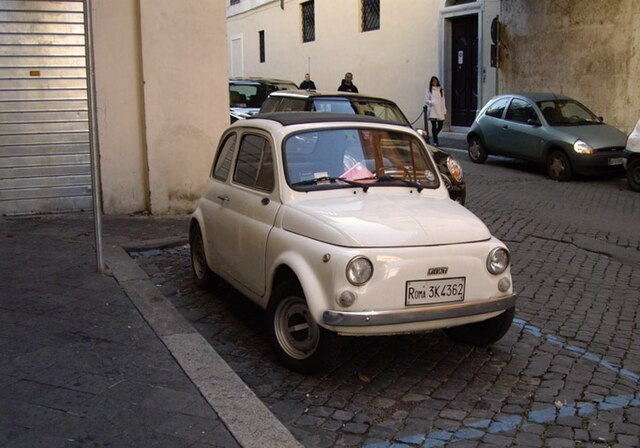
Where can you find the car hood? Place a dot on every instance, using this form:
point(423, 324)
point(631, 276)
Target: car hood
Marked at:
point(384, 220)
point(597, 135)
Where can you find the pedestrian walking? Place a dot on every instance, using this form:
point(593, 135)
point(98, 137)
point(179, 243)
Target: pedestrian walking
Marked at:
point(437, 107)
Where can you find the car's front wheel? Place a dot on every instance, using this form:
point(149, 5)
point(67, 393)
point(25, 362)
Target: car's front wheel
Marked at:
point(558, 166)
point(477, 151)
point(633, 174)
point(300, 343)
point(485, 332)
point(202, 275)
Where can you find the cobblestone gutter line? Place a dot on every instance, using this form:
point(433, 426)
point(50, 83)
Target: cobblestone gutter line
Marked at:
point(506, 423)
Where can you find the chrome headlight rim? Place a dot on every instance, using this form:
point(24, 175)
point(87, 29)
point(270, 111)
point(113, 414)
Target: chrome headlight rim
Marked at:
point(498, 260)
point(359, 270)
point(455, 169)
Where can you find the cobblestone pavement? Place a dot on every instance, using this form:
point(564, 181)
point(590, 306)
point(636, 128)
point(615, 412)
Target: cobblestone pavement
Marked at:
point(565, 375)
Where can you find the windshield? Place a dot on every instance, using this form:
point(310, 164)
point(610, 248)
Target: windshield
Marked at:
point(360, 106)
point(566, 113)
point(342, 158)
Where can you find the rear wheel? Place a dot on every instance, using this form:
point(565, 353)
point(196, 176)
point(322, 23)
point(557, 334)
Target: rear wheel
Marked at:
point(477, 151)
point(558, 166)
point(203, 276)
point(633, 174)
point(300, 343)
point(485, 332)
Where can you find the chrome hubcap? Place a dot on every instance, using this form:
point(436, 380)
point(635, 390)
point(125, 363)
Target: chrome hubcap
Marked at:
point(297, 333)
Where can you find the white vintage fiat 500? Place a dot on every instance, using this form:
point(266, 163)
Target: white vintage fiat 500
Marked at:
point(341, 225)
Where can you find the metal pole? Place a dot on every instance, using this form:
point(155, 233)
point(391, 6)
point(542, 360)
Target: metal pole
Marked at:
point(94, 146)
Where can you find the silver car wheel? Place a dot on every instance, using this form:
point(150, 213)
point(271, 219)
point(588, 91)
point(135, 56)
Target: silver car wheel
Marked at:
point(477, 152)
point(297, 333)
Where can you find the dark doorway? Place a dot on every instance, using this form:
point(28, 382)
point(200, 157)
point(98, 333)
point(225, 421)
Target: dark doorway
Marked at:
point(464, 70)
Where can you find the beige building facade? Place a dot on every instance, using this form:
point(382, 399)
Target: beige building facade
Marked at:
point(161, 103)
point(161, 81)
point(414, 40)
point(586, 49)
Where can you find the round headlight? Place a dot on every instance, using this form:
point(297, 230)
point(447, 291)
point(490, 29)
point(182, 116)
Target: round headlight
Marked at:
point(583, 148)
point(455, 169)
point(498, 260)
point(359, 270)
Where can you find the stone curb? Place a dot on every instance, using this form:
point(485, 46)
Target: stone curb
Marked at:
point(248, 419)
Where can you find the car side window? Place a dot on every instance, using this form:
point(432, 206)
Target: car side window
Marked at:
point(254, 167)
point(497, 108)
point(520, 111)
point(222, 165)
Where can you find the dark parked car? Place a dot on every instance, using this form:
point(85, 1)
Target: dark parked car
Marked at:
point(358, 104)
point(547, 128)
point(246, 95)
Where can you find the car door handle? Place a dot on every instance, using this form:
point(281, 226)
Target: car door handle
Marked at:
point(505, 127)
point(224, 198)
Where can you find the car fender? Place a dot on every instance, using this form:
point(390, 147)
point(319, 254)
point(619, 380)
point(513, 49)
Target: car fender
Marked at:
point(306, 260)
point(552, 145)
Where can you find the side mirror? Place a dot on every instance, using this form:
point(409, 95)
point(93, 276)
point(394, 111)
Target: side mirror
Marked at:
point(601, 119)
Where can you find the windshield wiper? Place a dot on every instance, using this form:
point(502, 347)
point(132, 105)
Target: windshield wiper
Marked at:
point(316, 180)
point(387, 178)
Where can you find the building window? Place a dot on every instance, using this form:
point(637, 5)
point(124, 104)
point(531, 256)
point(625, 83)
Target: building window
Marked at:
point(308, 21)
point(261, 37)
point(370, 15)
point(234, 2)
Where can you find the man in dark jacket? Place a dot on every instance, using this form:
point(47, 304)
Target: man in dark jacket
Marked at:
point(347, 85)
point(307, 84)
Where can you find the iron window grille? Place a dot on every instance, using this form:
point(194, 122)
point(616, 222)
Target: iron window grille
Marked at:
point(263, 57)
point(370, 15)
point(308, 21)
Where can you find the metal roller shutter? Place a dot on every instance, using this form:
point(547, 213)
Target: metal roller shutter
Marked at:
point(44, 132)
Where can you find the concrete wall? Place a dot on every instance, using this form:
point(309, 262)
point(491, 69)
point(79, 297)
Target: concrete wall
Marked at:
point(395, 61)
point(588, 49)
point(162, 98)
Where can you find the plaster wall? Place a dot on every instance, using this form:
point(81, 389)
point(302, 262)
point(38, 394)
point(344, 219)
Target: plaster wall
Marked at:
point(186, 96)
point(586, 49)
point(119, 103)
point(395, 61)
point(162, 100)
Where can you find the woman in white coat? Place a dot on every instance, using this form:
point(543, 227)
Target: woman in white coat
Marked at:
point(437, 108)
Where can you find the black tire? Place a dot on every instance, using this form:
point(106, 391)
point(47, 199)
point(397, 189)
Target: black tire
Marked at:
point(477, 151)
point(633, 174)
point(299, 342)
point(558, 166)
point(483, 333)
point(203, 276)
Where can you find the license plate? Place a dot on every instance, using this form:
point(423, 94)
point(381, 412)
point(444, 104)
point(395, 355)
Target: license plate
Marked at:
point(616, 161)
point(427, 292)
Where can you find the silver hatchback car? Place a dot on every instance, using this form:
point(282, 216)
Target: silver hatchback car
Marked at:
point(550, 129)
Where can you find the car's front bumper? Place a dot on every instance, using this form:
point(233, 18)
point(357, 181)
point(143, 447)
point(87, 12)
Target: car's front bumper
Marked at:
point(604, 161)
point(421, 314)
